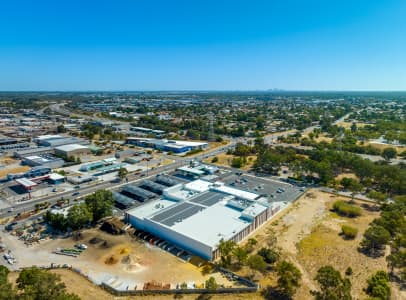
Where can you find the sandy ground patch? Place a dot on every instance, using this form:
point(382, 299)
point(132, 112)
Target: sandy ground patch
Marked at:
point(226, 159)
point(347, 175)
point(14, 169)
point(130, 259)
point(382, 146)
point(8, 160)
point(347, 125)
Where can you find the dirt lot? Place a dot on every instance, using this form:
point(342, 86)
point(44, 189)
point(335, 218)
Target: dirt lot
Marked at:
point(308, 234)
point(226, 159)
point(348, 125)
point(381, 146)
point(133, 261)
point(13, 169)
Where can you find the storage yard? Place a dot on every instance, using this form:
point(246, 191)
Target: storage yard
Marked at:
point(124, 259)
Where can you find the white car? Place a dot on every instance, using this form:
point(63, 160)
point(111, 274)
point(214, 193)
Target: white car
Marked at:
point(82, 246)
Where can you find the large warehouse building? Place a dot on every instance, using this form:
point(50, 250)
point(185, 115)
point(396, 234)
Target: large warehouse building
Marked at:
point(167, 145)
point(197, 215)
point(74, 150)
point(58, 140)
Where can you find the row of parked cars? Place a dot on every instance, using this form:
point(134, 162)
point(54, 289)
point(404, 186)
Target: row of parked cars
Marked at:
point(164, 245)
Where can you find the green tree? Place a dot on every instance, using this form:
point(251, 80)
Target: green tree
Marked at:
point(226, 248)
point(353, 127)
point(60, 129)
point(240, 254)
point(289, 278)
point(378, 196)
point(100, 204)
point(332, 285)
point(378, 286)
point(122, 173)
point(38, 284)
point(250, 244)
point(78, 216)
point(269, 255)
point(237, 162)
point(6, 289)
point(257, 263)
point(211, 284)
point(389, 153)
point(375, 238)
point(57, 221)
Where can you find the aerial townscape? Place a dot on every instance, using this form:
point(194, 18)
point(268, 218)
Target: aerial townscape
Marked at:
point(134, 167)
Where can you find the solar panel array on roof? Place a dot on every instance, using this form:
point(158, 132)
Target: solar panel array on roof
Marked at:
point(208, 198)
point(123, 201)
point(167, 180)
point(153, 186)
point(137, 193)
point(177, 213)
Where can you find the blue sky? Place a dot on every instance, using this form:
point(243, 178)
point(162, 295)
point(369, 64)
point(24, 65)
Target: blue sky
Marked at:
point(202, 45)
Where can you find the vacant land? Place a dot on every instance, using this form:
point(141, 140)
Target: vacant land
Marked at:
point(309, 235)
point(225, 160)
point(12, 169)
point(107, 256)
point(382, 146)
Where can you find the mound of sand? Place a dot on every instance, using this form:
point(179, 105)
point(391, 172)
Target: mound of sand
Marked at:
point(124, 251)
point(111, 260)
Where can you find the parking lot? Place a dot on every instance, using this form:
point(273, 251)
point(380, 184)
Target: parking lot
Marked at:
point(275, 190)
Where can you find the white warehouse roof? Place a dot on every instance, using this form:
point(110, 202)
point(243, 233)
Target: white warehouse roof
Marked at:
point(71, 147)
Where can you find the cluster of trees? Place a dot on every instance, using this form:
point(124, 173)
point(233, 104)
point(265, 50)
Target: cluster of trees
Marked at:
point(91, 130)
point(332, 286)
point(323, 165)
point(389, 228)
point(378, 286)
point(265, 259)
point(34, 284)
point(95, 207)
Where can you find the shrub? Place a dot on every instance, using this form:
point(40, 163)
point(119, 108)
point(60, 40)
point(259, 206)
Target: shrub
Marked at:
point(215, 159)
point(348, 271)
point(349, 232)
point(346, 209)
point(269, 255)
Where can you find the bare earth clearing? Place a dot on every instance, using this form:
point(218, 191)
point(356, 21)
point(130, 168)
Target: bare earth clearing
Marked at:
point(132, 261)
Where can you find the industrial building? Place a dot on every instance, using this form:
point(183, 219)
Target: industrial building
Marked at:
point(197, 215)
point(74, 150)
point(125, 153)
point(97, 164)
point(147, 131)
point(167, 145)
point(7, 144)
point(44, 160)
point(34, 172)
point(33, 151)
point(58, 140)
